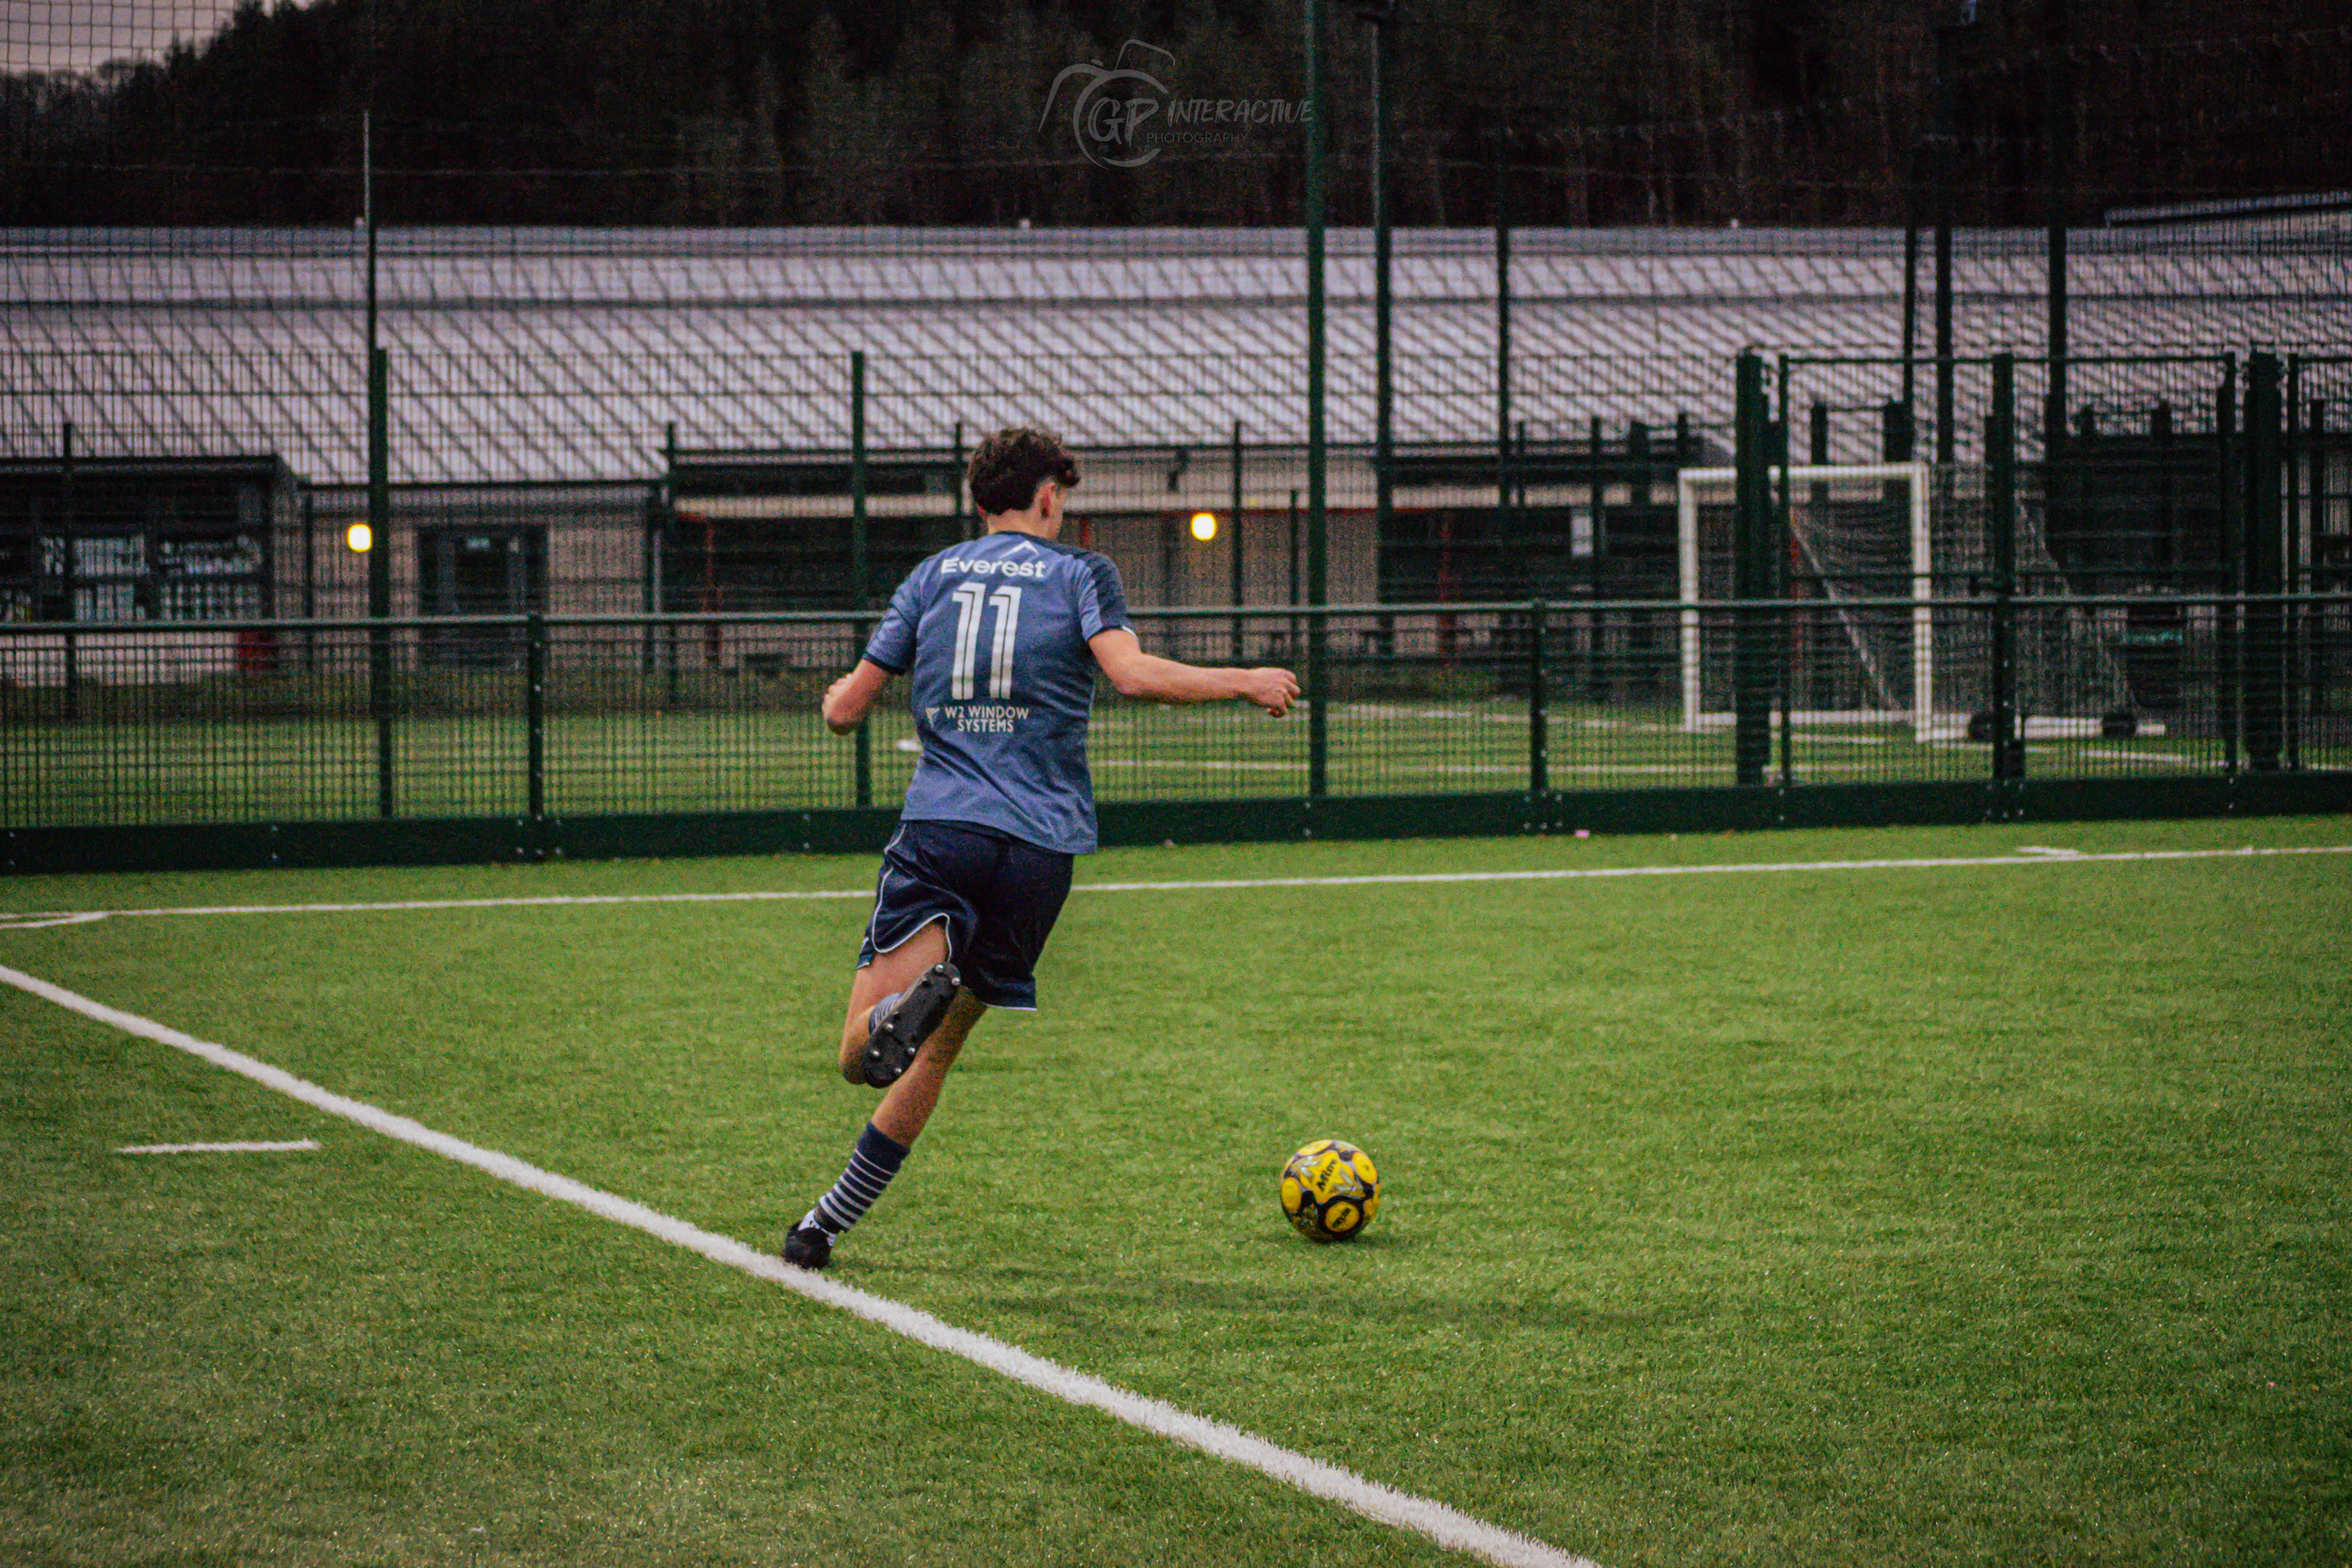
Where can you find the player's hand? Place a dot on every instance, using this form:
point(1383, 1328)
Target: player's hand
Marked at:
point(1272, 689)
point(846, 699)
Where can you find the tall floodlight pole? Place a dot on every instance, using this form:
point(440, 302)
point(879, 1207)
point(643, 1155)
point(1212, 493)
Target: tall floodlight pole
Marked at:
point(2057, 110)
point(1940, 164)
point(1318, 544)
point(1911, 296)
point(379, 497)
point(367, 210)
point(1382, 18)
point(1503, 335)
point(1961, 17)
point(379, 459)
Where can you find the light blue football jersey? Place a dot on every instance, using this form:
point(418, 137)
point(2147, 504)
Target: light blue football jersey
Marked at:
point(993, 632)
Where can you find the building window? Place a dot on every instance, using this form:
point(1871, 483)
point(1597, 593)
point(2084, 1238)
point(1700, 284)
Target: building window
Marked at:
point(126, 538)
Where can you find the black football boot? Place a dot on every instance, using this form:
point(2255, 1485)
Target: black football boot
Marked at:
point(809, 1247)
point(892, 1040)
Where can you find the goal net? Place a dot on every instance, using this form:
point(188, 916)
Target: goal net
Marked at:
point(2072, 669)
point(1876, 552)
point(1860, 557)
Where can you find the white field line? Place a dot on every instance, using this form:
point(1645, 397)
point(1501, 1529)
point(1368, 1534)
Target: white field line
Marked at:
point(64, 918)
point(1734, 869)
point(2031, 856)
point(300, 1145)
point(1447, 1526)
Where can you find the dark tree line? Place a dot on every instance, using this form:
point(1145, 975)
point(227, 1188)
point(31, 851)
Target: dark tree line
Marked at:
point(1606, 112)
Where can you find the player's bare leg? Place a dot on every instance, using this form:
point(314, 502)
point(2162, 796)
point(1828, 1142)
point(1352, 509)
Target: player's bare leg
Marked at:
point(910, 1101)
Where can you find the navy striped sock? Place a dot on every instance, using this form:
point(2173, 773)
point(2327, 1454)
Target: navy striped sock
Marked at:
point(873, 1163)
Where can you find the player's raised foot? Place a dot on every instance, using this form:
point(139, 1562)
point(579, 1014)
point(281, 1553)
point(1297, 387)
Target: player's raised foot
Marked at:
point(893, 1037)
point(809, 1247)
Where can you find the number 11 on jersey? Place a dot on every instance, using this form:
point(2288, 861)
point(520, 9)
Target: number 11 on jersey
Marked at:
point(969, 597)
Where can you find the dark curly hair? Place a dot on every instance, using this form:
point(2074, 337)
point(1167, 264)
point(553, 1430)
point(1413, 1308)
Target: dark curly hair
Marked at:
point(1009, 466)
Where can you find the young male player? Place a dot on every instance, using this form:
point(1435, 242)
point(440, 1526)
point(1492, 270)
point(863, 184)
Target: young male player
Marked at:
point(1002, 635)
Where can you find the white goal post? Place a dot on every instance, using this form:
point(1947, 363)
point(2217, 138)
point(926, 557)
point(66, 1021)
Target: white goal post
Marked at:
point(1897, 693)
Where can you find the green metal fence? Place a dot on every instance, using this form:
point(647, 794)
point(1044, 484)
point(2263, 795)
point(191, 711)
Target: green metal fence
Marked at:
point(2141, 607)
point(133, 743)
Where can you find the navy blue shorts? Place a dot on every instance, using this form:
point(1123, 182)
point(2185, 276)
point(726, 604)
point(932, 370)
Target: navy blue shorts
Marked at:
point(998, 895)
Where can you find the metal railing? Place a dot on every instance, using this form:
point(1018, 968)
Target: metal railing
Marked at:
point(144, 723)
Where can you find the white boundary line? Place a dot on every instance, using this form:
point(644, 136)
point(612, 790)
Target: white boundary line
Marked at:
point(1718, 870)
point(300, 1145)
point(1447, 1526)
point(2035, 855)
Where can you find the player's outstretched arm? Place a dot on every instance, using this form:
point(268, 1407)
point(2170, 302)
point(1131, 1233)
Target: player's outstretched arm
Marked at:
point(850, 698)
point(1136, 674)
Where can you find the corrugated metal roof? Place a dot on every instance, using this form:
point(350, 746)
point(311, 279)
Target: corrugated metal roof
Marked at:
point(565, 354)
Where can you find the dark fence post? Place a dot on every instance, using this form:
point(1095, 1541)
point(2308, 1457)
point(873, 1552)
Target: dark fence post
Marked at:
point(67, 518)
point(1775, 578)
point(1595, 581)
point(1539, 730)
point(860, 628)
point(1318, 519)
point(1318, 701)
point(1383, 18)
point(860, 566)
point(310, 579)
point(2265, 569)
point(380, 571)
point(2298, 573)
point(535, 711)
point(1751, 566)
point(2000, 498)
point(1294, 645)
point(658, 591)
point(1945, 448)
point(670, 665)
point(1911, 183)
point(2227, 653)
point(649, 598)
point(1502, 344)
point(1233, 545)
point(1297, 632)
point(2322, 567)
point(1895, 432)
point(660, 505)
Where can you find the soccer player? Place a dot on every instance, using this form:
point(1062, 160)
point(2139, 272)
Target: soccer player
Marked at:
point(1002, 637)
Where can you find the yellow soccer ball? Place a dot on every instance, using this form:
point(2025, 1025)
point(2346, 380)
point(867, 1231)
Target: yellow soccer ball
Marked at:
point(1330, 1190)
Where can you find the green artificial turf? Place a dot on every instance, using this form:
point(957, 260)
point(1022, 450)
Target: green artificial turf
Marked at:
point(1938, 1214)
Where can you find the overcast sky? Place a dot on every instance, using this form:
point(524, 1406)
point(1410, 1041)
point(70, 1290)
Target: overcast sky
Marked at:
point(74, 35)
